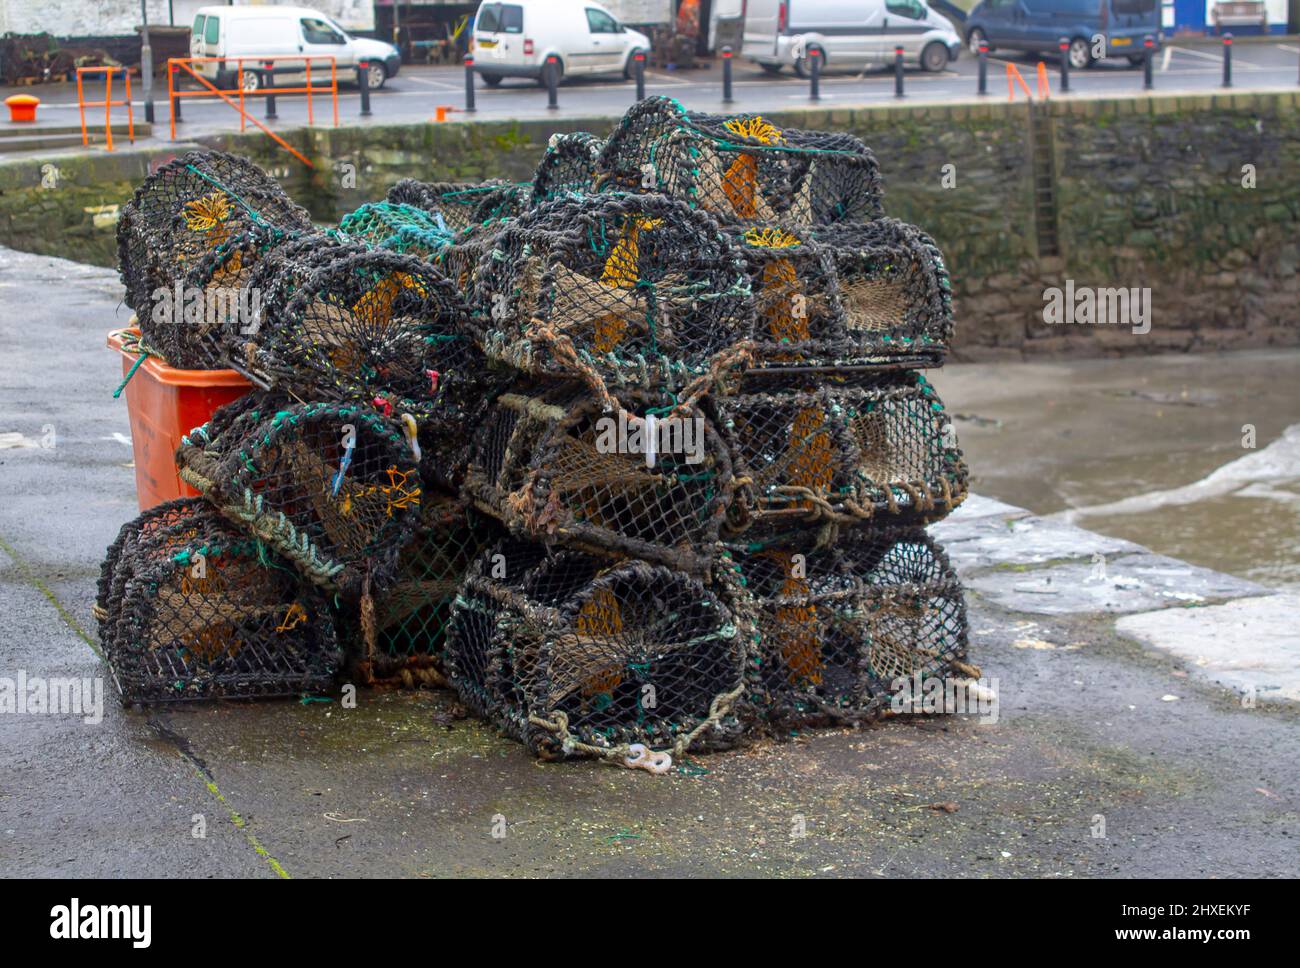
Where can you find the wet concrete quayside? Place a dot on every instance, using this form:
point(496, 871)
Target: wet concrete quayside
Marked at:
point(1189, 779)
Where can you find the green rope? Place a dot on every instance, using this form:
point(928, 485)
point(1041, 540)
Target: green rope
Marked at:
point(130, 373)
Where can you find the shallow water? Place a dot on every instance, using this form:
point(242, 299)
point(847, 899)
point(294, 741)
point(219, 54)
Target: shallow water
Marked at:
point(1155, 445)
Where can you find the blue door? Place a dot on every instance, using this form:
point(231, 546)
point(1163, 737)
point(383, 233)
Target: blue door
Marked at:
point(1189, 15)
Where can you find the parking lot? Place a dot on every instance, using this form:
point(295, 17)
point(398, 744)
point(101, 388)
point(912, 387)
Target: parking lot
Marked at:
point(419, 90)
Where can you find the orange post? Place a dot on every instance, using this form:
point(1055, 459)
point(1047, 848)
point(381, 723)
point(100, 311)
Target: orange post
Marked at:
point(1044, 86)
point(1013, 78)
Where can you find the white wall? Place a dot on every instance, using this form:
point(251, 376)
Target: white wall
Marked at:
point(80, 18)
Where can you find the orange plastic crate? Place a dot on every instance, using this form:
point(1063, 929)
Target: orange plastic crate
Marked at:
point(164, 404)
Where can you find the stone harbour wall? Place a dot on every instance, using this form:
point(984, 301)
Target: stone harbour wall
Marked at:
point(1195, 198)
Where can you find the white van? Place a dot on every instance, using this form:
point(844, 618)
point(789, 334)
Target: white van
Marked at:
point(849, 34)
point(515, 39)
point(269, 31)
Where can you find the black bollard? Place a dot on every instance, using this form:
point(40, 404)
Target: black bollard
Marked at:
point(176, 101)
point(1148, 49)
point(268, 84)
point(1227, 60)
point(638, 68)
point(984, 69)
point(552, 83)
point(815, 74)
point(1064, 45)
point(363, 82)
point(726, 75)
point(469, 83)
point(898, 72)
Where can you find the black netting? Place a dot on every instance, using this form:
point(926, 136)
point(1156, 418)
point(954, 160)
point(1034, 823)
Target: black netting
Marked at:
point(198, 610)
point(333, 488)
point(840, 453)
point(840, 627)
point(462, 205)
point(178, 216)
point(552, 464)
point(626, 289)
point(412, 616)
point(742, 168)
point(574, 655)
point(847, 295)
point(569, 166)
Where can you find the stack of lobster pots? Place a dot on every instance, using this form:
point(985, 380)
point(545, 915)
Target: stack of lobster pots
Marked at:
point(637, 457)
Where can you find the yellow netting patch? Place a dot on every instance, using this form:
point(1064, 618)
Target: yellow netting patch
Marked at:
point(601, 618)
point(812, 455)
point(800, 636)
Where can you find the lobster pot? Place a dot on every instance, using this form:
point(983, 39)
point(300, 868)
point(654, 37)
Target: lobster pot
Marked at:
point(840, 454)
point(352, 324)
point(895, 295)
point(840, 626)
point(574, 655)
point(568, 167)
point(205, 332)
point(412, 617)
point(205, 612)
point(743, 168)
point(170, 522)
point(398, 227)
point(630, 290)
point(846, 296)
point(554, 465)
point(462, 205)
point(180, 214)
point(334, 488)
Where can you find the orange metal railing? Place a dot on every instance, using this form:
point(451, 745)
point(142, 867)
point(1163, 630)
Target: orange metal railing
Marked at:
point(177, 67)
point(107, 104)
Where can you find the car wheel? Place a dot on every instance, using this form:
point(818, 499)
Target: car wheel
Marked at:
point(250, 81)
point(491, 80)
point(976, 38)
point(935, 57)
point(629, 71)
point(1136, 61)
point(376, 74)
point(772, 69)
point(1080, 54)
point(801, 64)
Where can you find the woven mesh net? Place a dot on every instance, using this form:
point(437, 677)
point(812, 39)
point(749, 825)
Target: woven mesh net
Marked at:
point(573, 654)
point(399, 227)
point(333, 488)
point(194, 609)
point(411, 617)
point(180, 214)
point(847, 295)
point(568, 167)
point(840, 453)
point(551, 464)
point(742, 168)
point(461, 205)
point(630, 290)
point(840, 626)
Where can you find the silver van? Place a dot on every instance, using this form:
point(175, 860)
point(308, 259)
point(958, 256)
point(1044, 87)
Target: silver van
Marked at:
point(850, 34)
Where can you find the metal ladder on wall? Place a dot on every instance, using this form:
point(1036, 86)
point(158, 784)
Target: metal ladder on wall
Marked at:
point(1041, 150)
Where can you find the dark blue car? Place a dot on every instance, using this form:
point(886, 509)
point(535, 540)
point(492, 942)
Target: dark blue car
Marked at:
point(1096, 29)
